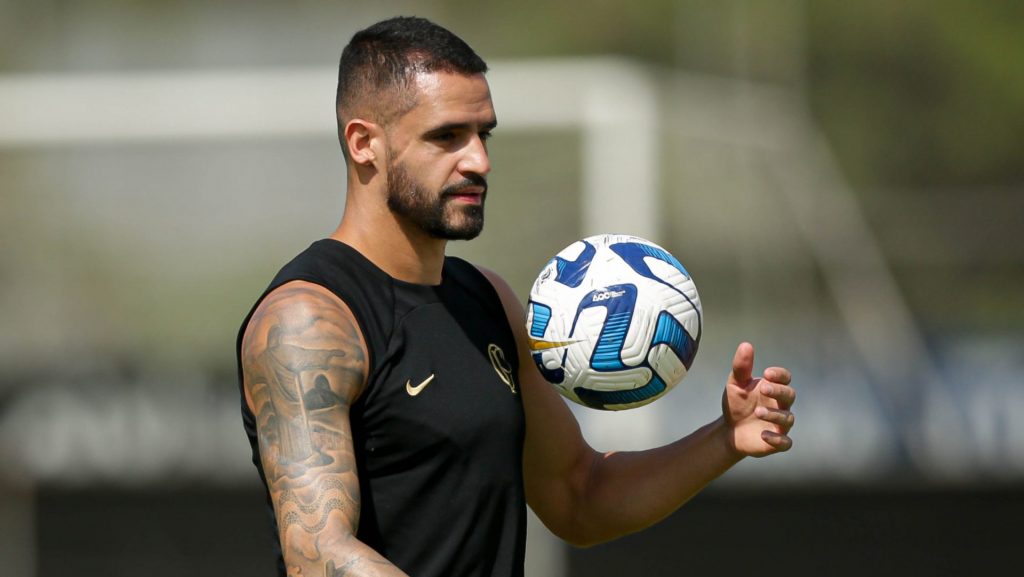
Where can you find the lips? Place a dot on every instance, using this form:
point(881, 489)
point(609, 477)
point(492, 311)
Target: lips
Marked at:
point(472, 194)
point(469, 197)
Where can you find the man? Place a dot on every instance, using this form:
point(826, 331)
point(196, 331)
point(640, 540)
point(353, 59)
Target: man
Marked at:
point(394, 413)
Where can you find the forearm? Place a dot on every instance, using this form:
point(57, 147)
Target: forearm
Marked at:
point(337, 556)
point(629, 491)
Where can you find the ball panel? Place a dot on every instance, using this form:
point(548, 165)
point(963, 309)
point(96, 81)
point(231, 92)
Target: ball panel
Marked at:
point(618, 300)
point(572, 268)
point(617, 400)
point(666, 363)
point(671, 333)
point(635, 345)
point(538, 319)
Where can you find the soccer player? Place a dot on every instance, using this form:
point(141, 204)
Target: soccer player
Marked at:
point(394, 413)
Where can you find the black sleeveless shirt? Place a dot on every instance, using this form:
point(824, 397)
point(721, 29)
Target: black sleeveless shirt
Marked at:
point(438, 431)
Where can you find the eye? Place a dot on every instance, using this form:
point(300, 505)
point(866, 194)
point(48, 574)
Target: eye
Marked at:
point(446, 136)
point(485, 135)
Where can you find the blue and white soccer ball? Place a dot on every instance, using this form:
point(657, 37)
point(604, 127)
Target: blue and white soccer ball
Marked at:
point(614, 321)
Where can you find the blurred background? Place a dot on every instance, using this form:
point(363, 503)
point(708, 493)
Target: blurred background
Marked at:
point(843, 180)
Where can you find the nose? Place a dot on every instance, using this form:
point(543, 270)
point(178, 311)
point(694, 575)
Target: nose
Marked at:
point(475, 159)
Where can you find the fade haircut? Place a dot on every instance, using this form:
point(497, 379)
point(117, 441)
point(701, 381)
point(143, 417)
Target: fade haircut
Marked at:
point(378, 69)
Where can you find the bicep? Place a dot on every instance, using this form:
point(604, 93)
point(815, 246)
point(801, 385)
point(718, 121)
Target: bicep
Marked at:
point(304, 363)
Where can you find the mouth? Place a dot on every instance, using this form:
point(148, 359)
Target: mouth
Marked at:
point(470, 194)
point(467, 197)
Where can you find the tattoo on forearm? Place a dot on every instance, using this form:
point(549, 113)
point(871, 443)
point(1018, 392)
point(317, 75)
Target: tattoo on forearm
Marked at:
point(301, 377)
point(331, 495)
point(350, 566)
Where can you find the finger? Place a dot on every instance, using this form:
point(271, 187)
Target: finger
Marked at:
point(778, 375)
point(742, 364)
point(787, 396)
point(784, 395)
point(777, 440)
point(784, 419)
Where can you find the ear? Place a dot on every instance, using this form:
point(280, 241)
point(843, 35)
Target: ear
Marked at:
point(363, 139)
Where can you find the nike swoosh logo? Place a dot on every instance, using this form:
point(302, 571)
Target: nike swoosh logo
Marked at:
point(413, 391)
point(541, 345)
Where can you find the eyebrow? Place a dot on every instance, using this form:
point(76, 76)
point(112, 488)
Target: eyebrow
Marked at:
point(459, 126)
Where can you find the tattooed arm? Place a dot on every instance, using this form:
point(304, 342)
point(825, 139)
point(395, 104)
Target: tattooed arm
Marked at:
point(304, 362)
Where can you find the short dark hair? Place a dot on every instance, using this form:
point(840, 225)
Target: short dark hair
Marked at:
point(376, 76)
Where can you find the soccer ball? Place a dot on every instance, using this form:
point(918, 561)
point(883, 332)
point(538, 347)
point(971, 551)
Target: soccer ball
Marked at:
point(614, 322)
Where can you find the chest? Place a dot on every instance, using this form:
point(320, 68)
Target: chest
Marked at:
point(445, 391)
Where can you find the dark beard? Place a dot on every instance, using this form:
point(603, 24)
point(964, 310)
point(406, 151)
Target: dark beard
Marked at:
point(412, 202)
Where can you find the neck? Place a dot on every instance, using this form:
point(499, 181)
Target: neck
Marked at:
point(404, 252)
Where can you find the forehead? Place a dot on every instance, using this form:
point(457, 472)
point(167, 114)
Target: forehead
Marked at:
point(445, 98)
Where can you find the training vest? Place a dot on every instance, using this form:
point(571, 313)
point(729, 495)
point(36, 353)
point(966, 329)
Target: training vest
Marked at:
point(440, 471)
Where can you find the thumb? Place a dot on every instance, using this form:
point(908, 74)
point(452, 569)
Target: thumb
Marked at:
point(742, 365)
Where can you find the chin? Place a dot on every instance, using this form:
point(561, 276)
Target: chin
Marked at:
point(469, 223)
point(457, 234)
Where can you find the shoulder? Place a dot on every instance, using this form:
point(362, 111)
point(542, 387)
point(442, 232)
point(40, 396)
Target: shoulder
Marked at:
point(291, 306)
point(496, 280)
point(509, 301)
point(298, 319)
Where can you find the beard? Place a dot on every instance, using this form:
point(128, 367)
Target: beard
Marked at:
point(436, 215)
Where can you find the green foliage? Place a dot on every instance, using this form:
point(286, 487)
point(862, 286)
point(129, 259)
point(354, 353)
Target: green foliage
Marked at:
point(912, 94)
point(920, 94)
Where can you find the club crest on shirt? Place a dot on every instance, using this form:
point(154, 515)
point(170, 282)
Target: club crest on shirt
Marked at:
point(501, 366)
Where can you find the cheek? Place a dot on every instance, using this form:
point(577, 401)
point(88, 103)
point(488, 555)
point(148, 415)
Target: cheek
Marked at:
point(431, 167)
point(437, 174)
